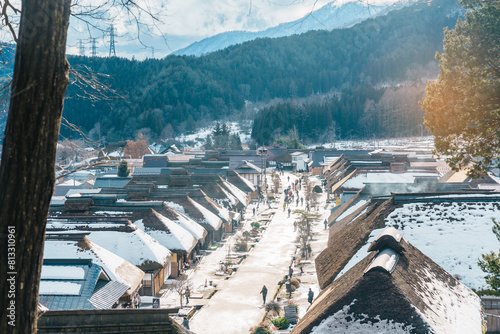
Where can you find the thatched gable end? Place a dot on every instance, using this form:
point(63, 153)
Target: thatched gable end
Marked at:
point(418, 297)
point(345, 242)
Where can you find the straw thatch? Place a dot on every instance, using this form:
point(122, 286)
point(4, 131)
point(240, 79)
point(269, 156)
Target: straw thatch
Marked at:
point(345, 240)
point(407, 296)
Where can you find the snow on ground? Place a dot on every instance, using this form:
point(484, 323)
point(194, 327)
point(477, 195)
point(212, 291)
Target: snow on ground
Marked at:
point(199, 136)
point(415, 143)
point(237, 301)
point(454, 235)
point(62, 272)
point(343, 322)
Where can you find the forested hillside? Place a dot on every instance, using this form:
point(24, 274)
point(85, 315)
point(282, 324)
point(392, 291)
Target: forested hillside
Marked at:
point(179, 93)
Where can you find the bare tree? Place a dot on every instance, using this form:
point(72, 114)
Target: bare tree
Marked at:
point(180, 286)
point(38, 87)
point(304, 228)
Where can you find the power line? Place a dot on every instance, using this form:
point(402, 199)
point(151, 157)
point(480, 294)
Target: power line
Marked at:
point(93, 49)
point(81, 48)
point(112, 51)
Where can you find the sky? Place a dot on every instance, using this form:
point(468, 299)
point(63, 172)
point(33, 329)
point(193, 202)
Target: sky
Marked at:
point(180, 23)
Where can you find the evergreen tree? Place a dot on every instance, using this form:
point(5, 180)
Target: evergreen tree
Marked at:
point(463, 105)
point(123, 169)
point(490, 263)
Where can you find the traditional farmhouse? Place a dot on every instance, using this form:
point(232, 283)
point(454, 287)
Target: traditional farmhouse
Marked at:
point(78, 273)
point(394, 289)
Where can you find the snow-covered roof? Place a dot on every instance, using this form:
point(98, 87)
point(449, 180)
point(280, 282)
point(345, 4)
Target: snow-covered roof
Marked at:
point(351, 209)
point(117, 268)
point(136, 247)
point(172, 236)
point(128, 242)
point(210, 218)
point(448, 233)
point(177, 207)
point(62, 272)
point(230, 200)
point(417, 297)
point(240, 195)
point(340, 321)
point(188, 224)
point(358, 181)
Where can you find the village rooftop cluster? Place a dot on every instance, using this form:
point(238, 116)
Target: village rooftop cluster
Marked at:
point(402, 236)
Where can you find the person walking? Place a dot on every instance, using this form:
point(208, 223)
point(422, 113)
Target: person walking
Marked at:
point(137, 300)
point(264, 294)
point(187, 293)
point(185, 322)
point(253, 211)
point(326, 224)
point(310, 296)
point(290, 272)
point(289, 211)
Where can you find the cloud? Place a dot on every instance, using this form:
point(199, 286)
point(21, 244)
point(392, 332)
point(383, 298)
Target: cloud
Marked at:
point(177, 23)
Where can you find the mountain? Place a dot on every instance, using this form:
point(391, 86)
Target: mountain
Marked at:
point(329, 17)
point(351, 68)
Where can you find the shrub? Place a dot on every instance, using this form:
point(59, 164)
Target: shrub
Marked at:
point(241, 244)
point(317, 189)
point(261, 329)
point(255, 225)
point(281, 323)
point(295, 282)
point(274, 307)
point(123, 169)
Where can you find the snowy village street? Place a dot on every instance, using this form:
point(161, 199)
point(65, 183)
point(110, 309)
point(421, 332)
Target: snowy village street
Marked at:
point(237, 304)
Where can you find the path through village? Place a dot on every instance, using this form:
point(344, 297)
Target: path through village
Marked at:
point(237, 305)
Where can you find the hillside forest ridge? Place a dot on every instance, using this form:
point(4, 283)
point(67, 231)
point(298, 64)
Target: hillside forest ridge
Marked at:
point(360, 82)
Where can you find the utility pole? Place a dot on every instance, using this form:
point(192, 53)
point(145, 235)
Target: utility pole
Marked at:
point(81, 48)
point(112, 51)
point(93, 48)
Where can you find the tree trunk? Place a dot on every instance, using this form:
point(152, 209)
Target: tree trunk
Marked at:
point(28, 159)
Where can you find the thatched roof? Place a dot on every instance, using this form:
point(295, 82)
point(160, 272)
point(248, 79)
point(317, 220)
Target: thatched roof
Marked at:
point(240, 182)
point(169, 234)
point(117, 268)
point(345, 240)
point(417, 297)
